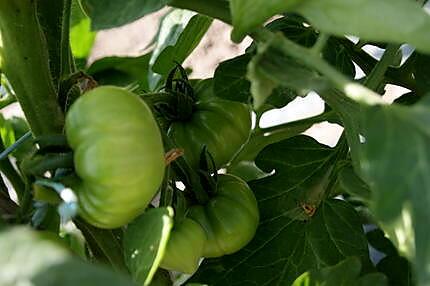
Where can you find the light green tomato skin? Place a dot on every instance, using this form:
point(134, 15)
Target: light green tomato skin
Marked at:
point(222, 126)
point(230, 218)
point(185, 247)
point(118, 154)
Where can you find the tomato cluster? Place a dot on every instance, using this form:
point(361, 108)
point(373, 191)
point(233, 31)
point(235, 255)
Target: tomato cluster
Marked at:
point(119, 160)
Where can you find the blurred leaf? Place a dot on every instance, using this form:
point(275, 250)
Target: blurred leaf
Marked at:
point(345, 273)
point(402, 21)
point(270, 68)
point(29, 259)
point(396, 164)
point(113, 13)
point(81, 36)
point(144, 242)
point(122, 71)
point(248, 15)
point(7, 133)
point(179, 34)
point(288, 240)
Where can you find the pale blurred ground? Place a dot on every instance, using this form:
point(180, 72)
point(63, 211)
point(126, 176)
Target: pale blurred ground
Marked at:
point(135, 39)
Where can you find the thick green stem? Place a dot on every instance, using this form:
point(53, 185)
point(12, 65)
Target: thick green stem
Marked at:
point(26, 62)
point(218, 9)
point(375, 78)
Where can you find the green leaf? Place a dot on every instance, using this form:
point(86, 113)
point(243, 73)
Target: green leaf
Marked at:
point(396, 163)
point(187, 41)
point(29, 259)
point(230, 83)
point(107, 14)
point(179, 34)
point(144, 242)
point(396, 21)
point(122, 71)
point(288, 241)
point(353, 184)
point(230, 80)
point(81, 36)
point(7, 134)
point(345, 273)
point(270, 68)
point(248, 15)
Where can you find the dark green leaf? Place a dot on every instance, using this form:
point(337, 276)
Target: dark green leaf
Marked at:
point(409, 98)
point(112, 13)
point(29, 259)
point(144, 242)
point(422, 73)
point(230, 80)
point(396, 164)
point(295, 28)
point(288, 240)
point(345, 273)
point(337, 55)
point(397, 269)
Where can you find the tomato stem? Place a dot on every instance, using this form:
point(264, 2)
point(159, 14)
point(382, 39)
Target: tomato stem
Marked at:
point(25, 53)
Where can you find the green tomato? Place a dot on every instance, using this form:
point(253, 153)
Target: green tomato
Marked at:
point(185, 247)
point(230, 218)
point(118, 155)
point(222, 126)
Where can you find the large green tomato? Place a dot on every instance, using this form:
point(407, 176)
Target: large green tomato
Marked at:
point(230, 218)
point(118, 154)
point(185, 247)
point(222, 126)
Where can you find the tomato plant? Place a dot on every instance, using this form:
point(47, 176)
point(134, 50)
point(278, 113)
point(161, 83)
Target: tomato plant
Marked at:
point(146, 173)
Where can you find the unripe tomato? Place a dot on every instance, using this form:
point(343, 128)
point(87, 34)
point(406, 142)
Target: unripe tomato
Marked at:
point(185, 247)
point(222, 126)
point(230, 218)
point(118, 155)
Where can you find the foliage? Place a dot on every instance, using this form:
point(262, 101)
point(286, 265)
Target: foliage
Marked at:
point(87, 198)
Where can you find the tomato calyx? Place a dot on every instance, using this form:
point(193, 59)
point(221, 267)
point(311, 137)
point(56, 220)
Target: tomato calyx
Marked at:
point(180, 101)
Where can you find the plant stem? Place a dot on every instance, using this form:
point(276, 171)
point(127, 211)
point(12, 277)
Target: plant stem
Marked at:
point(26, 64)
point(376, 76)
point(320, 44)
point(266, 136)
point(218, 9)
